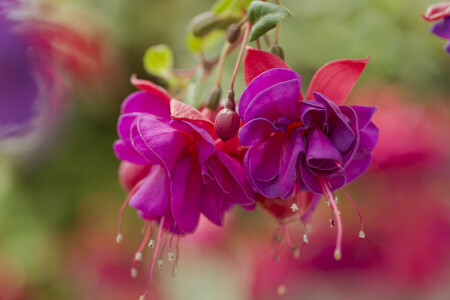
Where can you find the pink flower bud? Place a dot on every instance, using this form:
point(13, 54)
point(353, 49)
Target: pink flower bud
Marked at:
point(130, 174)
point(227, 124)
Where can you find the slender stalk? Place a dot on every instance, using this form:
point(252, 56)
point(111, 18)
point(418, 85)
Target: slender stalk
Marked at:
point(241, 52)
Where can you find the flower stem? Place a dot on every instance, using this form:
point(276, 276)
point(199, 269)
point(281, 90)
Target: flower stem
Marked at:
point(222, 57)
point(241, 52)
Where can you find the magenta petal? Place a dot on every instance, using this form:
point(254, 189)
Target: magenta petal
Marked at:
point(144, 102)
point(442, 28)
point(127, 153)
point(279, 100)
point(153, 138)
point(255, 131)
point(364, 113)
point(186, 191)
point(309, 179)
point(211, 203)
point(237, 172)
point(204, 143)
point(321, 153)
point(264, 158)
point(315, 198)
point(153, 197)
point(262, 82)
point(293, 145)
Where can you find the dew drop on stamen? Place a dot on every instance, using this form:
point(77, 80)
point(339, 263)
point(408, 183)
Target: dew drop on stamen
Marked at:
point(362, 234)
point(119, 238)
point(160, 264)
point(305, 238)
point(133, 272)
point(151, 244)
point(171, 256)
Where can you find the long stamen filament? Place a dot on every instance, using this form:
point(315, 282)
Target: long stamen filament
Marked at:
point(241, 52)
point(119, 237)
point(361, 233)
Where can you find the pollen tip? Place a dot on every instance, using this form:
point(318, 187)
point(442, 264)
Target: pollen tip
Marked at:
point(160, 264)
point(119, 238)
point(362, 234)
point(138, 256)
point(336, 200)
point(142, 298)
point(305, 238)
point(281, 290)
point(337, 254)
point(133, 272)
point(331, 223)
point(171, 256)
point(294, 207)
point(151, 244)
point(297, 253)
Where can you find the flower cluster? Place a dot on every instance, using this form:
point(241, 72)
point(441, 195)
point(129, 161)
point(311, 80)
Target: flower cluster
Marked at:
point(281, 150)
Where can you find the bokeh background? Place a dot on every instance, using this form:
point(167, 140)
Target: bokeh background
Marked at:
point(60, 197)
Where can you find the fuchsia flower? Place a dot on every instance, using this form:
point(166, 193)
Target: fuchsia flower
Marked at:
point(188, 173)
point(440, 12)
point(315, 145)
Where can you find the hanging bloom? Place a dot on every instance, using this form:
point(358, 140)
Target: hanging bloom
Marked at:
point(316, 145)
point(440, 12)
point(188, 173)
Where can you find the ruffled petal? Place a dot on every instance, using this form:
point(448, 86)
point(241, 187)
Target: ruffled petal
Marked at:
point(255, 131)
point(279, 100)
point(182, 111)
point(144, 102)
point(127, 153)
point(321, 154)
point(291, 148)
point(211, 203)
point(364, 113)
point(264, 81)
point(264, 158)
point(442, 28)
point(186, 188)
point(153, 197)
point(268, 188)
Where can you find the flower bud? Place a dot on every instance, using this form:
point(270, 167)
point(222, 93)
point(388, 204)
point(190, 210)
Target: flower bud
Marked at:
point(213, 99)
point(227, 121)
point(233, 32)
point(277, 50)
point(206, 22)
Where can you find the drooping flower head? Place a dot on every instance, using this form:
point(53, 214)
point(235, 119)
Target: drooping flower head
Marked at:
point(184, 172)
point(440, 12)
point(316, 144)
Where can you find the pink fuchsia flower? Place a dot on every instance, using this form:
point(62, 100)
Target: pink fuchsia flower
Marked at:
point(316, 145)
point(188, 174)
point(440, 12)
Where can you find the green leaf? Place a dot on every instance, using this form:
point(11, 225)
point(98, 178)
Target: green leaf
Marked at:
point(220, 6)
point(265, 16)
point(158, 60)
point(203, 44)
point(231, 6)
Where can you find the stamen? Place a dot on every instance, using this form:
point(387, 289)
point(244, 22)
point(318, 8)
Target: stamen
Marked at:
point(329, 195)
point(177, 255)
point(361, 233)
point(294, 207)
point(161, 264)
point(133, 272)
point(151, 244)
point(171, 256)
point(305, 238)
point(158, 241)
point(138, 256)
point(119, 237)
point(281, 290)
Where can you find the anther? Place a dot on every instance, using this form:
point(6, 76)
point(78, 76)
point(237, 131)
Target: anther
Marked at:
point(297, 253)
point(160, 264)
point(281, 290)
point(171, 256)
point(138, 256)
point(305, 238)
point(133, 272)
point(142, 298)
point(119, 238)
point(336, 200)
point(294, 207)
point(331, 223)
point(151, 244)
point(337, 254)
point(362, 234)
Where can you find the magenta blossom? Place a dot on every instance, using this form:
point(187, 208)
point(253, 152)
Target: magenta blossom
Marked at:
point(440, 12)
point(187, 174)
point(317, 145)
